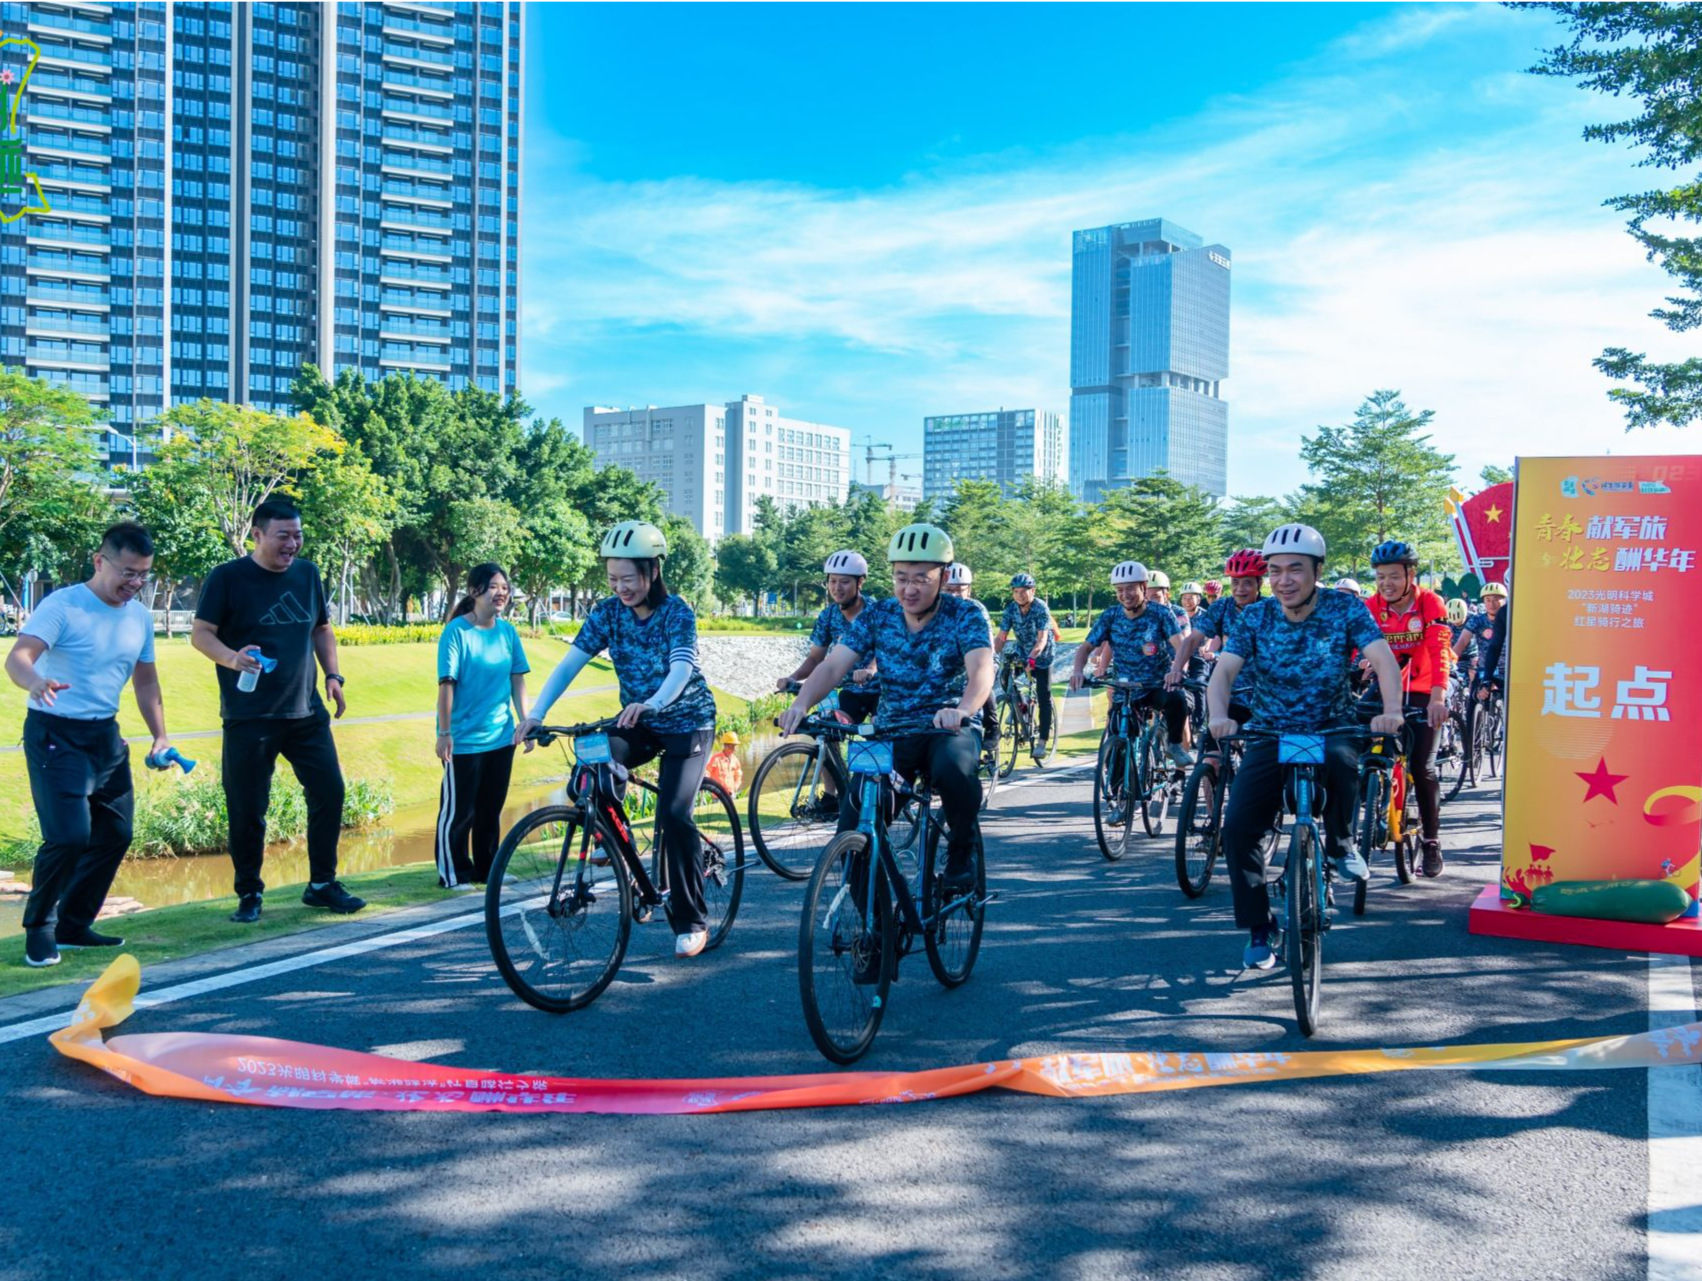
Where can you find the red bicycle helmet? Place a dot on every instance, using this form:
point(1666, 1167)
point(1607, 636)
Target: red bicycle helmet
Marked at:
point(1246, 563)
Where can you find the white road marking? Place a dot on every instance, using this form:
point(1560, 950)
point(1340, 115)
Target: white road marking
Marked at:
point(1675, 1134)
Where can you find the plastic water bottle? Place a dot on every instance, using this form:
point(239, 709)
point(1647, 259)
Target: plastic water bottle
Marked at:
point(249, 679)
point(166, 759)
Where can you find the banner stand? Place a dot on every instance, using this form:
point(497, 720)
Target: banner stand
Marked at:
point(1493, 918)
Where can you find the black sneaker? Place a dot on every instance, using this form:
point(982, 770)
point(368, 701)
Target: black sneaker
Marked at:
point(39, 947)
point(247, 910)
point(823, 808)
point(1433, 858)
point(85, 937)
point(958, 876)
point(333, 897)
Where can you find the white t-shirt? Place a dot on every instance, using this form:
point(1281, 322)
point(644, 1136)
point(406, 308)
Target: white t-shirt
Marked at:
point(92, 647)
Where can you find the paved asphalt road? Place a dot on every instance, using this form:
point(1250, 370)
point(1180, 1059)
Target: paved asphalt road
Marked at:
point(1422, 1175)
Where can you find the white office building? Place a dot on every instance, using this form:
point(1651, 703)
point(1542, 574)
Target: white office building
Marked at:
point(715, 461)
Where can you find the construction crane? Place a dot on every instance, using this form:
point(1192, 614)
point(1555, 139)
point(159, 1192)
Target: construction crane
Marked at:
point(873, 452)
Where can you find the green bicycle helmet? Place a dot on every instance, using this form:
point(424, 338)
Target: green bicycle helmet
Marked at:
point(926, 543)
point(634, 540)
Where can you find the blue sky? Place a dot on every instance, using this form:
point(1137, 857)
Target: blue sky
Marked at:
point(863, 212)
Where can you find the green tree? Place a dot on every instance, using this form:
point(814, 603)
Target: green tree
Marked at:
point(1376, 478)
point(1162, 522)
point(347, 512)
point(1493, 475)
point(171, 498)
point(48, 508)
point(976, 516)
point(1650, 54)
point(557, 547)
point(745, 569)
point(1248, 523)
point(691, 561)
point(244, 456)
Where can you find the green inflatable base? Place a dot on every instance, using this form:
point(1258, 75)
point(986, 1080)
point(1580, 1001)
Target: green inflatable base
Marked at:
point(1646, 902)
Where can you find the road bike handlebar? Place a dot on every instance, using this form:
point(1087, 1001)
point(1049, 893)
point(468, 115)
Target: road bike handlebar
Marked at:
point(544, 735)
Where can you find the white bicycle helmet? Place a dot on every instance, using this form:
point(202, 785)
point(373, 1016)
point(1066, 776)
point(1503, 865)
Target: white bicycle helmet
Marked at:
point(1348, 585)
point(848, 563)
point(1129, 571)
point(1293, 540)
point(960, 575)
point(1158, 578)
point(634, 540)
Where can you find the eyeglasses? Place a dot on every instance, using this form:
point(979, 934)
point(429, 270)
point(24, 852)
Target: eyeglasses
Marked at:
point(135, 575)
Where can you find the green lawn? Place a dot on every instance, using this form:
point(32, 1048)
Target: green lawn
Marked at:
point(170, 933)
point(384, 680)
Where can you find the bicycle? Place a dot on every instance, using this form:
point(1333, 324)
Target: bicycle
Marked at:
point(561, 869)
point(791, 800)
point(863, 910)
point(1199, 823)
point(1453, 763)
point(1304, 883)
point(1133, 769)
point(1388, 808)
point(1485, 728)
point(1014, 697)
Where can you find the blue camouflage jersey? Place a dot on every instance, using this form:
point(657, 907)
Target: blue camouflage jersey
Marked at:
point(830, 625)
point(1216, 622)
point(643, 650)
point(1482, 626)
point(1026, 629)
point(1196, 669)
point(922, 671)
point(1303, 669)
point(1140, 646)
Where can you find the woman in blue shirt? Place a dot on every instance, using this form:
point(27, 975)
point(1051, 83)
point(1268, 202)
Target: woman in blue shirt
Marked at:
point(481, 669)
point(651, 636)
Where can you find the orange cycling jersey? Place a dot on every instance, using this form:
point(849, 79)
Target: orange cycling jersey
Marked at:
point(1418, 633)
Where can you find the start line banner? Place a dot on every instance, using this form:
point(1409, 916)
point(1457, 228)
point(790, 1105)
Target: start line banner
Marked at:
point(266, 1072)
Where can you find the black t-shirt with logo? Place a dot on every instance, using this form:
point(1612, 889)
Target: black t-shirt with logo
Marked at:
point(250, 605)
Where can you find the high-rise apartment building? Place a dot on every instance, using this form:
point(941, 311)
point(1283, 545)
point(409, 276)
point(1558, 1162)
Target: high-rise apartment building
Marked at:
point(715, 461)
point(1149, 350)
point(1006, 445)
point(238, 189)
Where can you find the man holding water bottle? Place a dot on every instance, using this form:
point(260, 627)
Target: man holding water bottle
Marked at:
point(263, 620)
point(73, 658)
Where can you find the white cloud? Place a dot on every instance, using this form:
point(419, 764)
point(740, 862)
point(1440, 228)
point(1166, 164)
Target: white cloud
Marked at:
point(1476, 273)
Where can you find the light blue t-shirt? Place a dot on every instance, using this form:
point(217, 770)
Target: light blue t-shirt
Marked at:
point(91, 646)
point(480, 661)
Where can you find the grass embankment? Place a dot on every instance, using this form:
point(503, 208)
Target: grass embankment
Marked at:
point(171, 933)
point(384, 680)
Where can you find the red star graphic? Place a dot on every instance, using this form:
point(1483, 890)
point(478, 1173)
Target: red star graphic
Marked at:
point(1601, 783)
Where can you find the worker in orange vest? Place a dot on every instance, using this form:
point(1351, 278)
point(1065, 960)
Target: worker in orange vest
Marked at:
point(725, 767)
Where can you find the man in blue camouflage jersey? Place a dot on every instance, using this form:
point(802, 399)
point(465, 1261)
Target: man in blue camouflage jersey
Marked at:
point(1301, 641)
point(923, 640)
point(1194, 669)
point(1030, 622)
point(1143, 639)
point(1245, 570)
point(861, 688)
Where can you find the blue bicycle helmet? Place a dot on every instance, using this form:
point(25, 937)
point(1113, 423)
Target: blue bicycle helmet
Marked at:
point(1023, 580)
point(1393, 552)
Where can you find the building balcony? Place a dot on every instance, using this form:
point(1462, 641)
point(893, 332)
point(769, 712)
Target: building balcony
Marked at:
point(431, 138)
point(439, 32)
point(90, 299)
point(393, 327)
point(77, 88)
point(50, 356)
point(402, 162)
point(38, 328)
point(439, 86)
point(415, 246)
point(413, 220)
point(398, 272)
point(36, 234)
point(62, 24)
point(77, 268)
point(68, 146)
point(411, 109)
point(419, 192)
point(436, 366)
point(47, 111)
point(71, 58)
point(93, 388)
point(86, 179)
point(423, 55)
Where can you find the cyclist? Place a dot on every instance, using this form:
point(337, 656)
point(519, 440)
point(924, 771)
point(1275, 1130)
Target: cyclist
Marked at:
point(859, 691)
point(1158, 586)
point(1465, 656)
point(923, 639)
point(1245, 570)
point(1414, 621)
point(1351, 586)
point(1486, 631)
point(1144, 640)
point(1193, 598)
point(651, 636)
point(1214, 589)
point(1299, 641)
point(960, 582)
point(1031, 621)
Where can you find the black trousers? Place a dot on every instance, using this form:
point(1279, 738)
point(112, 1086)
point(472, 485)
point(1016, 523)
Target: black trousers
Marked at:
point(251, 752)
point(684, 759)
point(858, 705)
point(1043, 700)
point(950, 762)
point(1170, 704)
point(469, 811)
point(1255, 797)
point(1239, 712)
point(85, 802)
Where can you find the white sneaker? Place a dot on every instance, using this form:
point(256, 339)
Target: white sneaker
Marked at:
point(691, 944)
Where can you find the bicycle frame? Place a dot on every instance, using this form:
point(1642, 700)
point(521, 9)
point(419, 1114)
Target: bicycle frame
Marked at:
point(592, 789)
point(871, 822)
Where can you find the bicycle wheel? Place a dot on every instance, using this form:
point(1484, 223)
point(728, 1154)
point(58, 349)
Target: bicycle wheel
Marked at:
point(1492, 743)
point(1305, 927)
point(723, 857)
point(1451, 757)
point(953, 940)
point(1113, 799)
point(1406, 858)
point(557, 923)
point(790, 811)
point(1049, 748)
point(835, 941)
point(1008, 744)
point(1373, 801)
point(988, 769)
point(1152, 789)
point(1199, 830)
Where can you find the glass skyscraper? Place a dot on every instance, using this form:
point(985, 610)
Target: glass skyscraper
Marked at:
point(238, 189)
point(1149, 350)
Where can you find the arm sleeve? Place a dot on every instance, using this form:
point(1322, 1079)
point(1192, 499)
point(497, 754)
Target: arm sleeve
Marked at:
point(48, 621)
point(673, 684)
point(682, 640)
point(215, 598)
point(572, 663)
